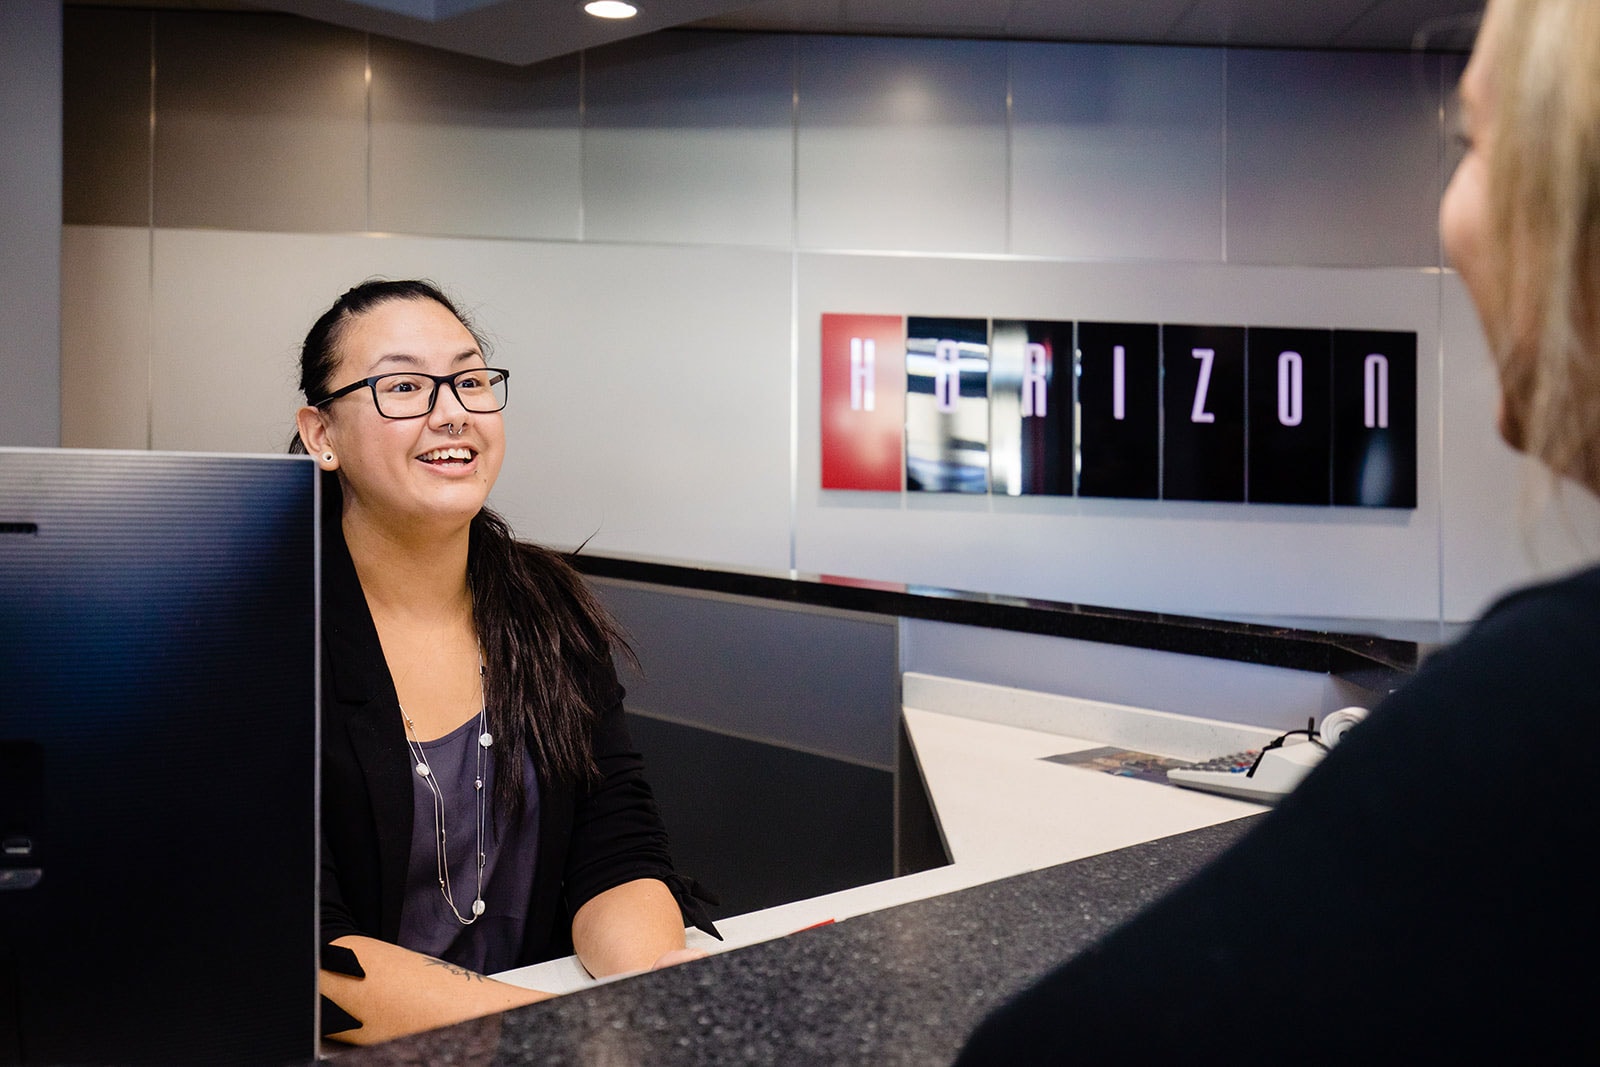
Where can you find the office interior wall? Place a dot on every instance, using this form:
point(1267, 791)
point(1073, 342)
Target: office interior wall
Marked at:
point(651, 231)
point(30, 233)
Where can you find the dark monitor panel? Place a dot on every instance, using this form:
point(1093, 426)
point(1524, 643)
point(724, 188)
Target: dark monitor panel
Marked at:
point(158, 757)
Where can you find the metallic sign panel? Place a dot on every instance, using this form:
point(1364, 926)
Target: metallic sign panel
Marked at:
point(1030, 408)
point(947, 405)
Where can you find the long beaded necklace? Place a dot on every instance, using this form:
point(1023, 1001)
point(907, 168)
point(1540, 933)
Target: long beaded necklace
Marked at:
point(485, 740)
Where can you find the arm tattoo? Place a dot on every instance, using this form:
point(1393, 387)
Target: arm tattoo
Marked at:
point(456, 969)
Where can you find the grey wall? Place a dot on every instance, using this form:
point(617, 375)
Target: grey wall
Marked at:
point(651, 231)
point(30, 222)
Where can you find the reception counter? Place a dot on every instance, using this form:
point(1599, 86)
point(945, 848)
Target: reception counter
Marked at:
point(1003, 860)
point(899, 986)
point(898, 971)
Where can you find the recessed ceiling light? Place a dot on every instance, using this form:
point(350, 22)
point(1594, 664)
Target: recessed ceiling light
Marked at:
point(610, 9)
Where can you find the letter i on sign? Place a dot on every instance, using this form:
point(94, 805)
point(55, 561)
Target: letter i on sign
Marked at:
point(1375, 390)
point(1119, 382)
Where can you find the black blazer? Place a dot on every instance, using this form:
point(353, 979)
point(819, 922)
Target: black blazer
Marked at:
point(590, 839)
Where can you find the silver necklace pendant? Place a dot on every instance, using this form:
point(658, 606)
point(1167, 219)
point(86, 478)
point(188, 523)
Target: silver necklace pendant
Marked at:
point(425, 772)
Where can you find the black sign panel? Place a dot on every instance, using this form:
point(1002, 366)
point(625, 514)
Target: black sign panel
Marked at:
point(947, 405)
point(1203, 401)
point(1030, 408)
point(1119, 409)
point(1375, 419)
point(1291, 409)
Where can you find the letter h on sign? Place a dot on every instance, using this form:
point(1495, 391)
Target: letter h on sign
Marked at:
point(863, 374)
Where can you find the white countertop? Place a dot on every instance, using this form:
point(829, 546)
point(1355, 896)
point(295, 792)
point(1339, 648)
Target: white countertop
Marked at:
point(1002, 808)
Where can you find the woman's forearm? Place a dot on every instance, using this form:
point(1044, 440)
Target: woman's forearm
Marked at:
point(405, 992)
point(628, 928)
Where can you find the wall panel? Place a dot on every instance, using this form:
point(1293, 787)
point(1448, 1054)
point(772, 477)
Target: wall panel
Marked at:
point(901, 144)
point(1117, 152)
point(105, 337)
point(647, 414)
point(471, 148)
point(106, 117)
point(260, 123)
point(689, 138)
point(30, 249)
point(1333, 159)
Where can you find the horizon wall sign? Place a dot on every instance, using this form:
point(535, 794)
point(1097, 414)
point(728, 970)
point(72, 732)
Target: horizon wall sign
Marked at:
point(1118, 409)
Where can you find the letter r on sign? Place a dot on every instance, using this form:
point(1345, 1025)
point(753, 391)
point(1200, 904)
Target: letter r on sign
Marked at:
point(1035, 375)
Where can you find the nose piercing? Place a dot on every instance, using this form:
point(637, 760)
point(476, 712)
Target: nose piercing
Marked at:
point(453, 430)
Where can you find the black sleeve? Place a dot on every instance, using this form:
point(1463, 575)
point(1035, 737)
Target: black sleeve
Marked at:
point(336, 920)
point(617, 833)
point(1421, 892)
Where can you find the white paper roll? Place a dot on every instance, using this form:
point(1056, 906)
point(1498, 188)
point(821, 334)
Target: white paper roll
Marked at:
point(1336, 724)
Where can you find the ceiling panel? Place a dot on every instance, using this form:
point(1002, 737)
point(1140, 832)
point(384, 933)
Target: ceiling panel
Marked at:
point(1382, 24)
point(527, 31)
point(1149, 20)
point(1435, 25)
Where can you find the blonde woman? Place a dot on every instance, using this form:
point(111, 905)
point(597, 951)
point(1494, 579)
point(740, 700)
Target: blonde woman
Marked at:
point(1423, 895)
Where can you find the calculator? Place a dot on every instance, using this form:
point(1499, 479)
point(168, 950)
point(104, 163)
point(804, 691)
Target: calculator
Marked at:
point(1278, 771)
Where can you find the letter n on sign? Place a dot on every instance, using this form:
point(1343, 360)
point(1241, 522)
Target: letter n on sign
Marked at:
point(863, 402)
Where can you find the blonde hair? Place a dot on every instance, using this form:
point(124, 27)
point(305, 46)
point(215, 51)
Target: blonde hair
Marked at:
point(1543, 160)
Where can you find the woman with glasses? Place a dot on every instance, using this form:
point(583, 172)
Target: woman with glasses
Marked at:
point(1421, 897)
point(483, 807)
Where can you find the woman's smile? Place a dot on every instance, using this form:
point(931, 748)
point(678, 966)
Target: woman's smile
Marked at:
point(453, 457)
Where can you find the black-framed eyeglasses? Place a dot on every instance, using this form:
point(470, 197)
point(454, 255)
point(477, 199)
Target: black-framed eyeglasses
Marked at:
point(412, 394)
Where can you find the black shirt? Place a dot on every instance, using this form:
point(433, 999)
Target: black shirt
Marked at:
point(1422, 894)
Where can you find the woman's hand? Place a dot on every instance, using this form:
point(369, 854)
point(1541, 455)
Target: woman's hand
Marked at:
point(400, 992)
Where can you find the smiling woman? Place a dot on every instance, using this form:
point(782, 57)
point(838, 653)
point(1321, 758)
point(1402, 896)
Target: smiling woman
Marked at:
point(482, 805)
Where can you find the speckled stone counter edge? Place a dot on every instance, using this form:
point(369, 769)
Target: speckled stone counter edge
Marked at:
point(900, 986)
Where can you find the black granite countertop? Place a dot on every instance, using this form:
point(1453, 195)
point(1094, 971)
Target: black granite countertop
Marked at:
point(900, 986)
point(1291, 646)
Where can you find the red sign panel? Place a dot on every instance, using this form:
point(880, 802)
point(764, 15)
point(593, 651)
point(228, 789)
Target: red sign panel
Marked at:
point(863, 402)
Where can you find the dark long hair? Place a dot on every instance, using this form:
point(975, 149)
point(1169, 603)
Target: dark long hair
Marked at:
point(546, 639)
